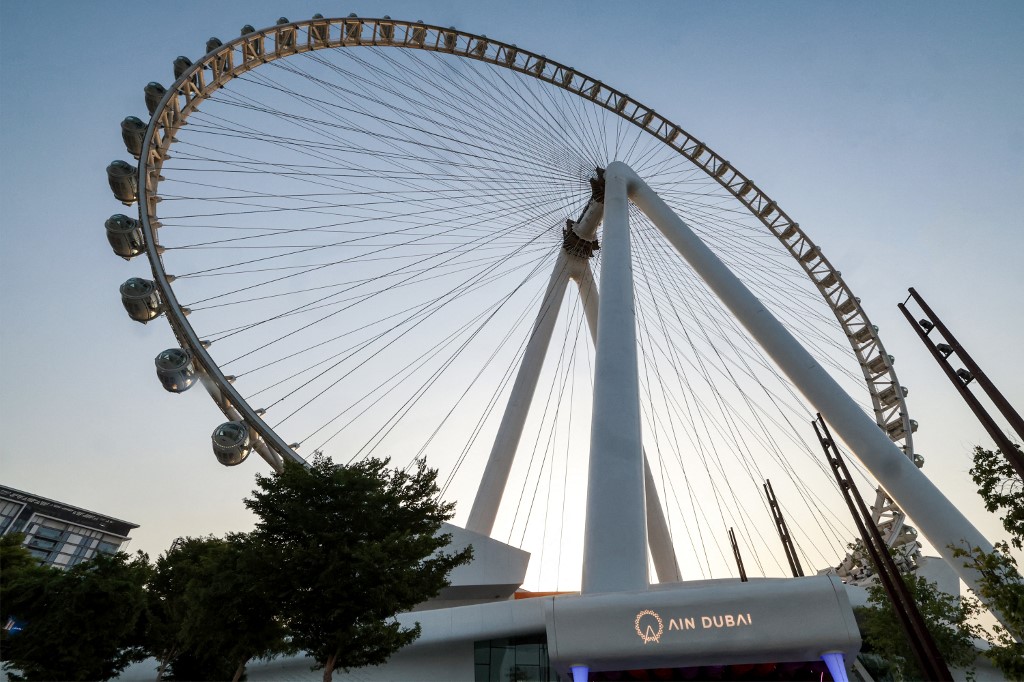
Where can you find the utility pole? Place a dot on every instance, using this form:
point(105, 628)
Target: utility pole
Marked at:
point(961, 378)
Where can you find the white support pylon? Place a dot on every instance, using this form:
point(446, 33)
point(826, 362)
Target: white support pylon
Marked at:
point(499, 464)
point(615, 536)
point(940, 521)
point(659, 539)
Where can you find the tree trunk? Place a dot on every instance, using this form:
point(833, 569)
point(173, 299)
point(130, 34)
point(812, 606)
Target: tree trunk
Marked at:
point(163, 664)
point(240, 671)
point(329, 667)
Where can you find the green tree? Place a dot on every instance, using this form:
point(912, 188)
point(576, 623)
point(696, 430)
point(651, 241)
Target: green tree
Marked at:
point(948, 619)
point(80, 624)
point(167, 606)
point(208, 614)
point(1002, 588)
point(1000, 584)
point(1002, 490)
point(345, 549)
point(16, 564)
point(230, 614)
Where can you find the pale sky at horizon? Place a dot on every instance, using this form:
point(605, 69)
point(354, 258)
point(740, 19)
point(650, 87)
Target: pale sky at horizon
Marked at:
point(892, 133)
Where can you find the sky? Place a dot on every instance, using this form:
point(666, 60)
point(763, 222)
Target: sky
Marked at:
point(891, 132)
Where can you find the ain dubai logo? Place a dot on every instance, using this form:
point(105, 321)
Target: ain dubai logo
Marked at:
point(650, 627)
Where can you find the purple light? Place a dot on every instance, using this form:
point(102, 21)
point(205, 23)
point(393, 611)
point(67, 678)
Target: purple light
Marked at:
point(579, 673)
point(836, 665)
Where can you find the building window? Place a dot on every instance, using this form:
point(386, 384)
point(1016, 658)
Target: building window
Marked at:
point(39, 554)
point(107, 548)
point(42, 543)
point(513, 659)
point(49, 533)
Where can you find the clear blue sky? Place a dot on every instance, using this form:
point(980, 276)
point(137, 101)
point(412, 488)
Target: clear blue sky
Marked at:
point(892, 132)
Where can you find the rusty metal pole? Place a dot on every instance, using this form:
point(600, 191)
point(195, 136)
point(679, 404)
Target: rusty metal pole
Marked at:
point(1003, 442)
point(927, 653)
point(998, 399)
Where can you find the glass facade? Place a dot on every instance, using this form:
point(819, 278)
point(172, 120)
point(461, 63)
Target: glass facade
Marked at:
point(513, 659)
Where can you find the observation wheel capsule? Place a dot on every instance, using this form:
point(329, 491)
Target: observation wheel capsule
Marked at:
point(175, 369)
point(133, 129)
point(141, 299)
point(154, 93)
point(231, 443)
point(125, 236)
point(123, 182)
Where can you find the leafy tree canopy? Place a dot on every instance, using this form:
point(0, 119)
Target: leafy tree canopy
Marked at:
point(948, 618)
point(346, 548)
point(80, 624)
point(1002, 489)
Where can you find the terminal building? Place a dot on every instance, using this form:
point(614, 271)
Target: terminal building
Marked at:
point(60, 534)
point(484, 628)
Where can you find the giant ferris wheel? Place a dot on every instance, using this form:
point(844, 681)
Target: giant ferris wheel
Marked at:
point(389, 238)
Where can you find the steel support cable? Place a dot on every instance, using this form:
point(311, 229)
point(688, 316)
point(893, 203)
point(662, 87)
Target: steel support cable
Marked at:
point(724, 318)
point(319, 149)
point(424, 357)
point(570, 109)
point(771, 445)
point(493, 308)
point(787, 468)
point(710, 445)
point(393, 286)
point(651, 413)
point(507, 373)
point(246, 167)
point(442, 300)
point(448, 96)
point(784, 383)
point(367, 151)
point(347, 260)
point(483, 76)
point(436, 272)
point(361, 204)
point(493, 400)
point(798, 318)
point(640, 259)
point(555, 376)
point(730, 434)
point(399, 77)
point(405, 408)
point(410, 313)
point(392, 123)
point(536, 110)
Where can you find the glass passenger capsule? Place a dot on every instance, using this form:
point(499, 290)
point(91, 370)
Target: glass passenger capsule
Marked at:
point(231, 443)
point(175, 369)
point(125, 235)
point(141, 299)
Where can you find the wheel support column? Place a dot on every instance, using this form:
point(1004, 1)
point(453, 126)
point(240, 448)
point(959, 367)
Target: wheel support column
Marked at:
point(940, 521)
point(615, 536)
point(499, 464)
point(659, 539)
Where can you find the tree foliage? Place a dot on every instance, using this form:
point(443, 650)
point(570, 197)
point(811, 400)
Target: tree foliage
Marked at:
point(83, 623)
point(167, 605)
point(349, 547)
point(209, 613)
point(337, 553)
point(230, 613)
point(1002, 490)
point(1002, 588)
point(949, 619)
